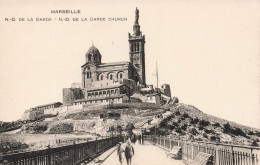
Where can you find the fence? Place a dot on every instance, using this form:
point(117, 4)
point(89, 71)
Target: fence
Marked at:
point(65, 155)
point(223, 154)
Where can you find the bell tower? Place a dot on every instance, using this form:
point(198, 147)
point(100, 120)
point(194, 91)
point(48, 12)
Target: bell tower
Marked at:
point(136, 49)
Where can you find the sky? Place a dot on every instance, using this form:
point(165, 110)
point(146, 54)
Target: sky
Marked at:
point(208, 51)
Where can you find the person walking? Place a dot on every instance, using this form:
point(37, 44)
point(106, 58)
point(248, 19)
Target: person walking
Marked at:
point(129, 152)
point(120, 151)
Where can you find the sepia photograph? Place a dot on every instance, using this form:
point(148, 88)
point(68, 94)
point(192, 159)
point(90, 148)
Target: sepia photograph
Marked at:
point(130, 82)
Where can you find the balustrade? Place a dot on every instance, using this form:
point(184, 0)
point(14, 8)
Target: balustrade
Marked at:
point(223, 154)
point(66, 155)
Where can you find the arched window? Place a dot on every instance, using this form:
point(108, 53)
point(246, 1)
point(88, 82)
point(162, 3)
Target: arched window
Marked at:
point(100, 77)
point(120, 75)
point(110, 76)
point(89, 58)
point(95, 58)
point(88, 75)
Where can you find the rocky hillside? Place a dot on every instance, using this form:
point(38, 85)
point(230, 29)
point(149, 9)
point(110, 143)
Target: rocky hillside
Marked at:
point(89, 121)
point(179, 120)
point(188, 122)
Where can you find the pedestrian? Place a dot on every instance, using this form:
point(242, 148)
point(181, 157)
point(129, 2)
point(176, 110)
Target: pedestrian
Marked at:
point(120, 151)
point(129, 152)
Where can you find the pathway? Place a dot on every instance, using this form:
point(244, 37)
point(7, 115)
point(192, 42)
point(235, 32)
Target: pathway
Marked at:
point(145, 155)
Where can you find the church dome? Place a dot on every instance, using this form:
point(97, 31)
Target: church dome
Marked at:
point(93, 50)
point(93, 55)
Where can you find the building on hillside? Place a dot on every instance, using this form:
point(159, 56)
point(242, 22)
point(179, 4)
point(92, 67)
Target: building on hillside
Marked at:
point(36, 112)
point(111, 82)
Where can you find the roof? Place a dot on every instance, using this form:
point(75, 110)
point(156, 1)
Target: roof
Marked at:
point(47, 104)
point(115, 63)
point(101, 98)
point(105, 87)
point(93, 50)
point(124, 64)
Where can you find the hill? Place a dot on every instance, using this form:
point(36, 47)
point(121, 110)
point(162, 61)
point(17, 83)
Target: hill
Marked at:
point(188, 122)
point(177, 120)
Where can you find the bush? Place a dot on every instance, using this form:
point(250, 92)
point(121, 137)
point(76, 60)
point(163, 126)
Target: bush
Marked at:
point(184, 127)
point(201, 127)
point(175, 124)
point(62, 128)
point(216, 125)
point(193, 131)
point(205, 135)
point(209, 131)
point(178, 130)
point(12, 146)
point(194, 121)
point(177, 113)
point(238, 131)
point(185, 115)
point(254, 143)
point(204, 123)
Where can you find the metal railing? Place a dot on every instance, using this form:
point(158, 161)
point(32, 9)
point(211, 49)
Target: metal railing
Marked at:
point(223, 154)
point(65, 155)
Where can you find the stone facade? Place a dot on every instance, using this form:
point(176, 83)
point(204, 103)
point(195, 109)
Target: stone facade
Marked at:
point(72, 94)
point(124, 77)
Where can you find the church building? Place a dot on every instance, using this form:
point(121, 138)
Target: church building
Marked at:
point(111, 82)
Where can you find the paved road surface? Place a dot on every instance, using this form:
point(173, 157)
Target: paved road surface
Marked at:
point(145, 155)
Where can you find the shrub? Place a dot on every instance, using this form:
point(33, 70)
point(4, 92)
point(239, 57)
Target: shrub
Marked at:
point(201, 127)
point(209, 131)
point(238, 131)
point(184, 127)
point(227, 128)
point(250, 133)
point(204, 123)
point(193, 131)
point(175, 124)
point(254, 143)
point(177, 113)
point(205, 135)
point(214, 138)
point(178, 130)
point(194, 121)
point(216, 125)
point(185, 115)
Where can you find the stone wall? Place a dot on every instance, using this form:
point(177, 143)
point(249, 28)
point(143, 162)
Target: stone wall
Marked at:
point(71, 94)
point(166, 90)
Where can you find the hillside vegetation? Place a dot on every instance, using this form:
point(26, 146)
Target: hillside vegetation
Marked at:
point(188, 122)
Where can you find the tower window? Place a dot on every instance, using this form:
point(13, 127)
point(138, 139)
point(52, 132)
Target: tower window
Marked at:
point(89, 58)
point(101, 77)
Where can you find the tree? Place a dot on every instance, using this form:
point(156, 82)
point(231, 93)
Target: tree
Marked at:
point(129, 128)
point(227, 128)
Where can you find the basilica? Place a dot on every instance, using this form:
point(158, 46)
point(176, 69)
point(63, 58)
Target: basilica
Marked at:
point(111, 83)
point(117, 82)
